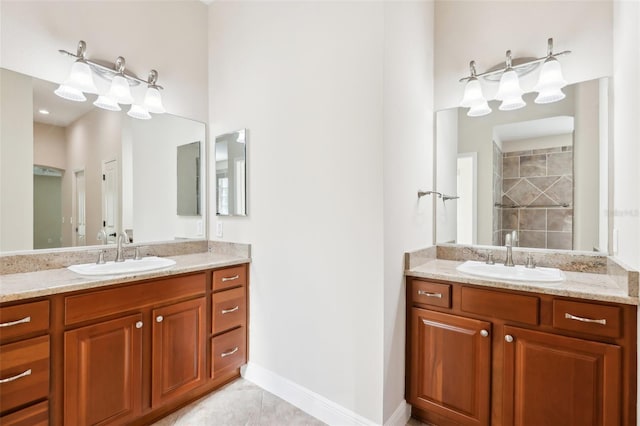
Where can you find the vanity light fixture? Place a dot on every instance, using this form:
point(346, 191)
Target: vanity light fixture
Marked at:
point(549, 84)
point(80, 81)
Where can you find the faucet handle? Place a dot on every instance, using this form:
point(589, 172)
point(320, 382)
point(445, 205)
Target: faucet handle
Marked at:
point(100, 260)
point(490, 260)
point(136, 255)
point(530, 263)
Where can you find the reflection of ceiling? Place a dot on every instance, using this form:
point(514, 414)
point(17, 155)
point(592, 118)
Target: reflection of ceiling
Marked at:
point(61, 111)
point(551, 126)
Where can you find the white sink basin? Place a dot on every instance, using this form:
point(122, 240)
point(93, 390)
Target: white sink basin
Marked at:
point(129, 266)
point(513, 273)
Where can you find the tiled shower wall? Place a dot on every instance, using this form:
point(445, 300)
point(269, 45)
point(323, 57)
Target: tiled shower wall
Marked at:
point(536, 181)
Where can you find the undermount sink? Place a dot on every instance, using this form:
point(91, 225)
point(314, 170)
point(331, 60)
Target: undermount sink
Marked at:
point(129, 266)
point(513, 273)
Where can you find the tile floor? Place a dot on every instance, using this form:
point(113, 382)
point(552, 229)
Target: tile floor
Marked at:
point(241, 403)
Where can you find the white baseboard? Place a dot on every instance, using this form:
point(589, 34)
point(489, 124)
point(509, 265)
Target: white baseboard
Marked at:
point(401, 416)
point(310, 402)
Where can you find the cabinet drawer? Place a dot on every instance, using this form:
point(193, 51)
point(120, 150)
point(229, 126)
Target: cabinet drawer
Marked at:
point(592, 318)
point(24, 372)
point(228, 351)
point(229, 277)
point(428, 293)
point(496, 304)
point(229, 309)
point(97, 304)
point(20, 320)
point(35, 415)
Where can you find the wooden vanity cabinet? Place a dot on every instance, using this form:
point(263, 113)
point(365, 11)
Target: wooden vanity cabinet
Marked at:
point(500, 357)
point(24, 363)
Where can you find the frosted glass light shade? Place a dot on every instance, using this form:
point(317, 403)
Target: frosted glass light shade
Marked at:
point(120, 91)
point(510, 92)
point(81, 77)
point(509, 86)
point(479, 109)
point(107, 102)
point(472, 94)
point(550, 82)
point(153, 101)
point(139, 112)
point(70, 93)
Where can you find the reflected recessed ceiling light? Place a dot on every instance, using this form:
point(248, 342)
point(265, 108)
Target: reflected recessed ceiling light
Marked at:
point(43, 111)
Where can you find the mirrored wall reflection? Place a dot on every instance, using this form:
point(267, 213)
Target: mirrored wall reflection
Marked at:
point(541, 171)
point(70, 169)
point(231, 174)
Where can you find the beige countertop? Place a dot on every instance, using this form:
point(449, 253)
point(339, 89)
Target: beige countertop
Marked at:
point(27, 285)
point(580, 285)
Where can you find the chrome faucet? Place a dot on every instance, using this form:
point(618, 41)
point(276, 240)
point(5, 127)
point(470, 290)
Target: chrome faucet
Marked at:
point(120, 239)
point(508, 243)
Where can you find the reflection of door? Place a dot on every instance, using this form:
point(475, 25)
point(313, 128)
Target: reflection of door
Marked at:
point(110, 198)
point(79, 236)
point(466, 232)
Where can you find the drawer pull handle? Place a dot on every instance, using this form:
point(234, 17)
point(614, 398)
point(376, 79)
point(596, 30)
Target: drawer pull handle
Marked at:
point(235, 277)
point(429, 294)
point(575, 318)
point(231, 352)
point(21, 321)
point(11, 379)
point(228, 311)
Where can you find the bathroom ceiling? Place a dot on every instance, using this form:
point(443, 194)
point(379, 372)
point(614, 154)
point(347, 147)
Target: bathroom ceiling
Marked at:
point(534, 128)
point(61, 111)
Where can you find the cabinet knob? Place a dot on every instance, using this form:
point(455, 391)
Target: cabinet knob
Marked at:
point(484, 333)
point(139, 324)
point(159, 318)
point(508, 338)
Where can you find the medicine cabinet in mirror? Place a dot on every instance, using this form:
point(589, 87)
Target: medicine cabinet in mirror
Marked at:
point(541, 171)
point(70, 169)
point(231, 174)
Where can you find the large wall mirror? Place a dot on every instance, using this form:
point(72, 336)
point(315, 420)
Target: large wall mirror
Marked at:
point(231, 173)
point(541, 171)
point(76, 169)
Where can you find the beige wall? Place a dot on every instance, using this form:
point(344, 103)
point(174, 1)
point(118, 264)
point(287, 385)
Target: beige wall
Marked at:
point(16, 162)
point(47, 211)
point(49, 146)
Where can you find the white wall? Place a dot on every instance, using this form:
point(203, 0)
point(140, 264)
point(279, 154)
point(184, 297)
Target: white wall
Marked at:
point(626, 131)
point(49, 146)
point(154, 192)
point(16, 162)
point(338, 115)
point(169, 36)
point(446, 174)
point(484, 30)
point(408, 155)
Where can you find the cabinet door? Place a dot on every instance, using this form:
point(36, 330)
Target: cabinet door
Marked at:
point(557, 380)
point(450, 367)
point(178, 357)
point(102, 372)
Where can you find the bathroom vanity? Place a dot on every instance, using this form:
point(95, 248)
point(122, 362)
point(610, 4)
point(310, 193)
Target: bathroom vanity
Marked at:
point(485, 352)
point(120, 350)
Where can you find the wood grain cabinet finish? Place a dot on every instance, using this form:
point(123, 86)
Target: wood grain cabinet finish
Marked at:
point(103, 371)
point(450, 367)
point(20, 321)
point(178, 355)
point(24, 372)
point(228, 351)
point(549, 360)
point(229, 277)
point(228, 310)
point(558, 380)
point(34, 415)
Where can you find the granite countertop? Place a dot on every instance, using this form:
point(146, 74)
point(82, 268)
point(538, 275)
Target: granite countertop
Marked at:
point(27, 285)
point(580, 285)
